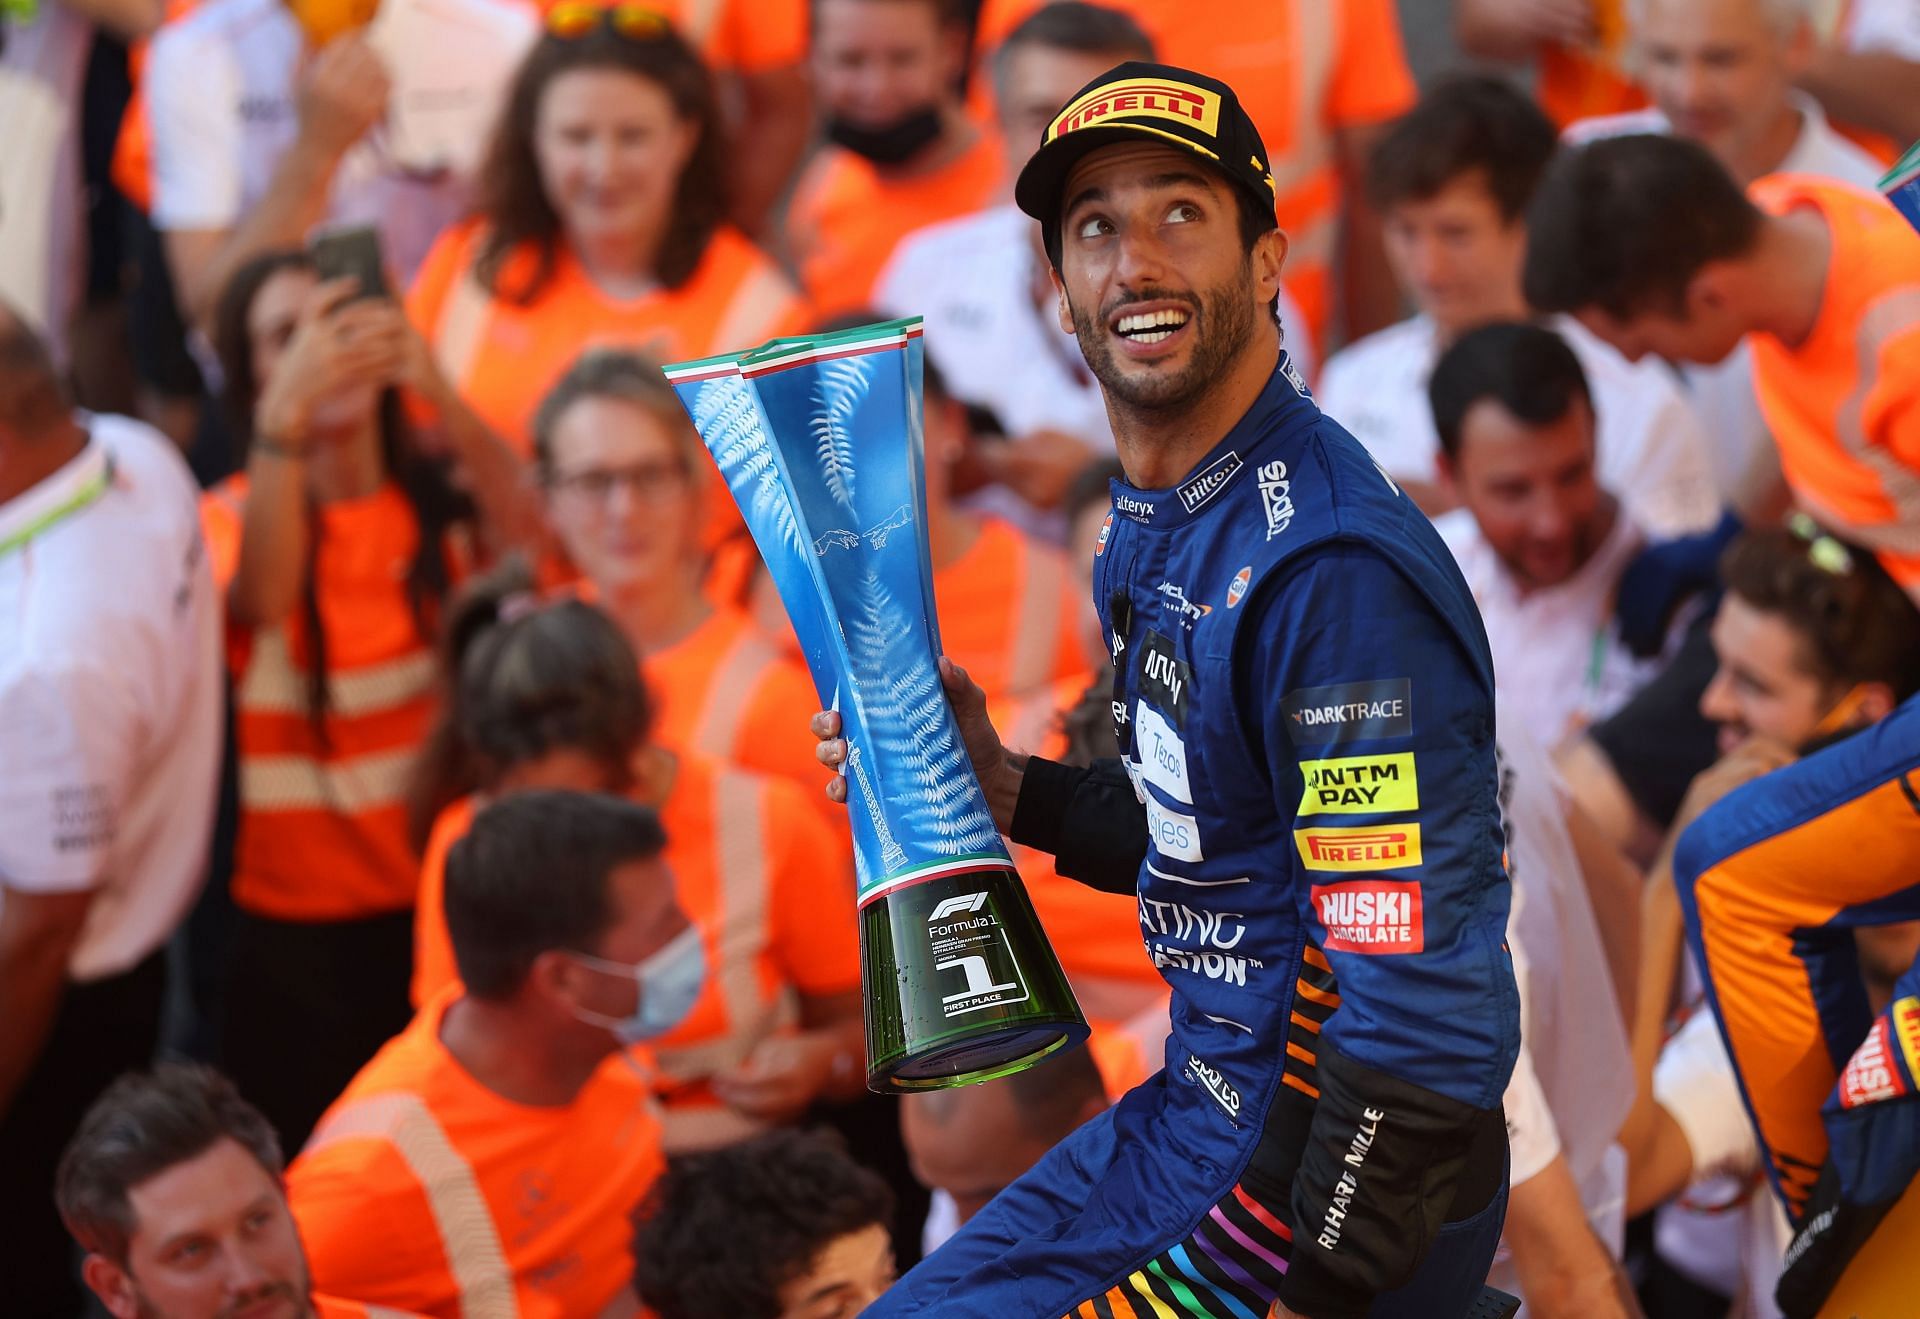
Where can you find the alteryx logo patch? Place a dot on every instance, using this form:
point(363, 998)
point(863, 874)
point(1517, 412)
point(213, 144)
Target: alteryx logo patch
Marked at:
point(1137, 509)
point(1210, 480)
point(1349, 711)
point(1164, 677)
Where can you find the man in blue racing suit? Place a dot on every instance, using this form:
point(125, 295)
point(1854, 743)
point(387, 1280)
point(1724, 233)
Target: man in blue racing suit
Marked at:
point(1306, 803)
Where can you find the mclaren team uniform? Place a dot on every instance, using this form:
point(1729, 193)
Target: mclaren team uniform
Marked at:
point(1307, 810)
point(1774, 880)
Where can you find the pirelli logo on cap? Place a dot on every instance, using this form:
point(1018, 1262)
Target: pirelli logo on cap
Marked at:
point(1349, 850)
point(1142, 98)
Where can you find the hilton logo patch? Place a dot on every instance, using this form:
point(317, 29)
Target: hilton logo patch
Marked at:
point(1210, 481)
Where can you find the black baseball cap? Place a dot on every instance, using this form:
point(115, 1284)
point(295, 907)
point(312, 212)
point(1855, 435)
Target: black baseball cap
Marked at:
point(1138, 101)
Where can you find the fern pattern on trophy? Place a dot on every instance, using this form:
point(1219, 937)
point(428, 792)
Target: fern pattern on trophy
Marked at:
point(839, 388)
point(912, 730)
point(728, 420)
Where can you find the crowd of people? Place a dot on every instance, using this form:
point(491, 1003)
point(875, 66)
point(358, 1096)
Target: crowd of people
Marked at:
point(417, 890)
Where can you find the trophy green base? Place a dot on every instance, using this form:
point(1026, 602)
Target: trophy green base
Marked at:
point(961, 985)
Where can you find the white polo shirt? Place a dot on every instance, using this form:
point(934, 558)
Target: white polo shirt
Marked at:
point(1740, 448)
point(1648, 447)
point(1573, 1084)
point(1557, 654)
point(222, 88)
point(110, 692)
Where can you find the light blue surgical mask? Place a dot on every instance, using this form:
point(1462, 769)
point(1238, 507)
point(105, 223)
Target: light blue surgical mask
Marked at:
point(670, 982)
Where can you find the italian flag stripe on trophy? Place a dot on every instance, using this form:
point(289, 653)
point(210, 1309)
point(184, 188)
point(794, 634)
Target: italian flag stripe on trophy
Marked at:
point(819, 441)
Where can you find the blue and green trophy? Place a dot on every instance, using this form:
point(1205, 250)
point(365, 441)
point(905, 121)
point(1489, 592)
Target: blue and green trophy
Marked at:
point(819, 440)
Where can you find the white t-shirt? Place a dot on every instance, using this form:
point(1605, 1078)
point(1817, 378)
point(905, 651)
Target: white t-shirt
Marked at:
point(1557, 654)
point(1694, 1082)
point(42, 240)
point(110, 692)
point(221, 87)
point(1573, 1084)
point(1740, 447)
point(1649, 449)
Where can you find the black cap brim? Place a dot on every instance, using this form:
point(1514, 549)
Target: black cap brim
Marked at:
point(1041, 187)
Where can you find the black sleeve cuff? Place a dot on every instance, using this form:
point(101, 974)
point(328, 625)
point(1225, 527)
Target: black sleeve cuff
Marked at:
point(1089, 819)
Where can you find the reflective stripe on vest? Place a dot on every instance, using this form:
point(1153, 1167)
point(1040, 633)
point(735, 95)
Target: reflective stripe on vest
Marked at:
point(349, 786)
point(274, 684)
point(1036, 622)
point(718, 724)
point(469, 1238)
point(1895, 312)
point(463, 320)
point(741, 920)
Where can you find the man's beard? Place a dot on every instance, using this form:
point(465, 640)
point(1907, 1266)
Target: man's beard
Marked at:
point(302, 1299)
point(1223, 322)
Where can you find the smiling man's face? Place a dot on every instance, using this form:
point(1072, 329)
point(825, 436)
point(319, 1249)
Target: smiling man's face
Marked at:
point(1157, 282)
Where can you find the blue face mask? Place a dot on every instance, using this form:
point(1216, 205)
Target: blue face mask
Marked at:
point(670, 982)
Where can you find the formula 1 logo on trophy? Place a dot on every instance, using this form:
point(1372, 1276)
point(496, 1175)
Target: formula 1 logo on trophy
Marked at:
point(819, 440)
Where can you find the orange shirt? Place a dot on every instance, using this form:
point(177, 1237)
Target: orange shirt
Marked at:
point(724, 691)
point(423, 1189)
point(1844, 406)
point(769, 887)
point(1009, 613)
point(323, 831)
point(504, 357)
point(1580, 82)
point(1302, 69)
point(846, 217)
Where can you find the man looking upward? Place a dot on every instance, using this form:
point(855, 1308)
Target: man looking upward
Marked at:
point(1305, 803)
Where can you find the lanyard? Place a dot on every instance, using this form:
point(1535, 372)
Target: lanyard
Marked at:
point(90, 490)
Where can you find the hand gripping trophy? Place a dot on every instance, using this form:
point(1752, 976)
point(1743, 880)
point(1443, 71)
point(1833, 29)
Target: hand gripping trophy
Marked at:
point(819, 440)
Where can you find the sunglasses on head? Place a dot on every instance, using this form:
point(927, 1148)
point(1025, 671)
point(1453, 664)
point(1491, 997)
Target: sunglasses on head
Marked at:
point(1823, 551)
point(576, 19)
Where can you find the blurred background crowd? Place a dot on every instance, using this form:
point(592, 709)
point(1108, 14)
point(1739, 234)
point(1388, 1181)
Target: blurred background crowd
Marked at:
point(361, 579)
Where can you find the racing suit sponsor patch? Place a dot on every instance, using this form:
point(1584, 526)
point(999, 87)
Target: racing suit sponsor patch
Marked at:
point(1106, 534)
point(1137, 509)
point(1163, 754)
point(1237, 588)
point(1350, 711)
point(1354, 785)
point(1165, 678)
point(1214, 1082)
point(1210, 480)
point(1351, 850)
point(1371, 916)
point(1906, 1024)
point(1871, 1074)
point(1174, 834)
point(1275, 496)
